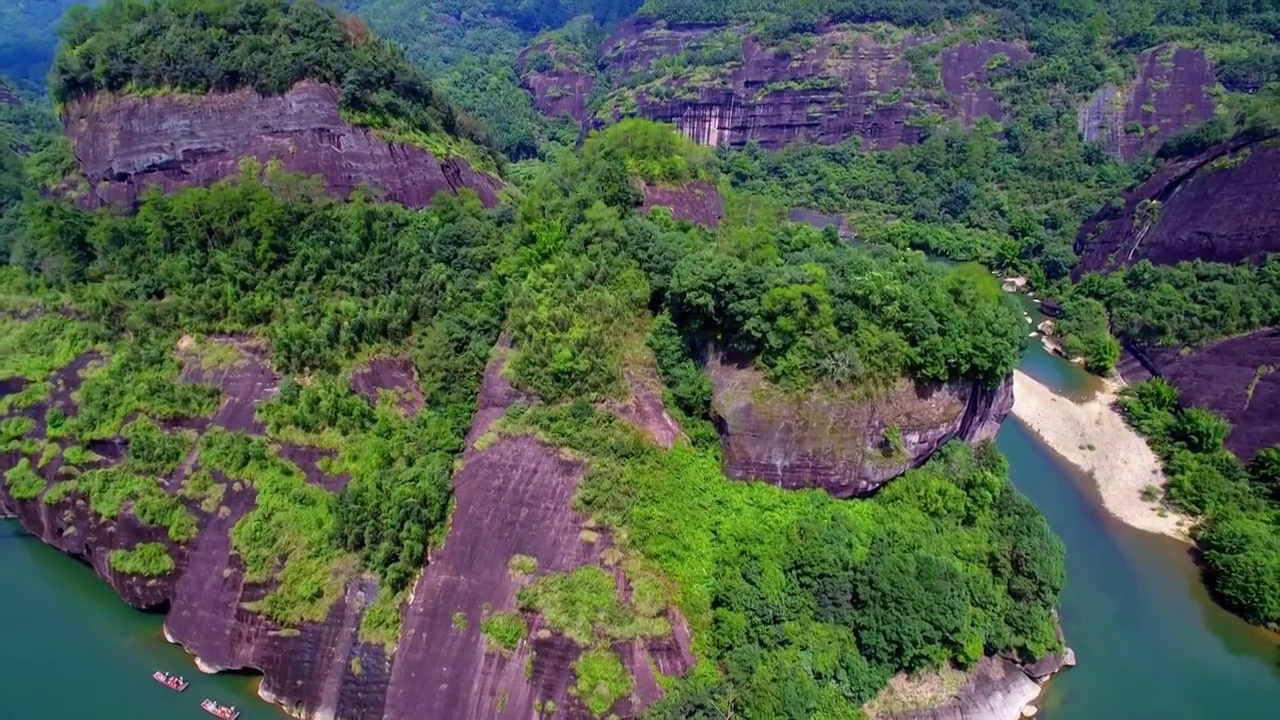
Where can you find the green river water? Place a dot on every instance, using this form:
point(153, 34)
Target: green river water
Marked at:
point(1151, 644)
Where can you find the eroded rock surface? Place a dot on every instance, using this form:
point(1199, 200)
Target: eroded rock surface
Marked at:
point(819, 439)
point(308, 668)
point(696, 201)
point(514, 496)
point(1238, 378)
point(558, 79)
point(1170, 93)
point(840, 82)
point(1219, 206)
point(997, 689)
point(125, 144)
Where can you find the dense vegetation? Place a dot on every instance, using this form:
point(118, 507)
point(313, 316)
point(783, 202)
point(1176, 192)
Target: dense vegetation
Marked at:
point(578, 274)
point(1187, 304)
point(809, 308)
point(27, 39)
point(1133, 23)
point(809, 614)
point(201, 45)
point(1240, 535)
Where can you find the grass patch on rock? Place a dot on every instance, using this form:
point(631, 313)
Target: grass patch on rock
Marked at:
point(24, 484)
point(522, 565)
point(504, 630)
point(584, 605)
point(601, 680)
point(286, 537)
point(145, 559)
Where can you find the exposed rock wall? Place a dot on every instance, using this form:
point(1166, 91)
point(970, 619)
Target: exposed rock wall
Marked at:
point(996, 689)
point(514, 496)
point(561, 90)
point(125, 144)
point(844, 83)
point(307, 668)
point(1218, 206)
point(1169, 94)
point(697, 202)
point(1238, 378)
point(821, 440)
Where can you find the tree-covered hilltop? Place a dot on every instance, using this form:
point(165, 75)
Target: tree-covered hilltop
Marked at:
point(808, 307)
point(197, 46)
point(947, 565)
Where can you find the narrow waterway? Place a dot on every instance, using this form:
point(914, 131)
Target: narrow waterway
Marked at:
point(71, 650)
point(1151, 644)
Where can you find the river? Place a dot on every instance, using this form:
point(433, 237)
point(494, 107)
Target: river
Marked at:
point(1151, 644)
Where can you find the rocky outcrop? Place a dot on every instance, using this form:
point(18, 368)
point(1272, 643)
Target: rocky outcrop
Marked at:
point(125, 144)
point(997, 689)
point(558, 79)
point(308, 668)
point(840, 82)
point(1170, 93)
point(514, 496)
point(1238, 378)
point(1218, 206)
point(842, 444)
point(696, 201)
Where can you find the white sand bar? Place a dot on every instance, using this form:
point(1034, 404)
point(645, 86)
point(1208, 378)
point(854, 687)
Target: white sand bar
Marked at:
point(1094, 437)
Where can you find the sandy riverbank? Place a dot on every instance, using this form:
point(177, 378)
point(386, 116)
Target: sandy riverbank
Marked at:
point(1094, 437)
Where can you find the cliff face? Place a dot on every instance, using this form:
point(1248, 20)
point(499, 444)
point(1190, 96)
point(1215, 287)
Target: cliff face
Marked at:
point(840, 82)
point(125, 144)
point(821, 440)
point(308, 668)
point(1218, 206)
point(558, 80)
point(1236, 378)
point(697, 202)
point(1170, 93)
point(514, 496)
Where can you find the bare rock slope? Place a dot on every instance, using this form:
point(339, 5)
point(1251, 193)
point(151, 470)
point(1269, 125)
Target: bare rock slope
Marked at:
point(1170, 93)
point(1219, 206)
point(125, 144)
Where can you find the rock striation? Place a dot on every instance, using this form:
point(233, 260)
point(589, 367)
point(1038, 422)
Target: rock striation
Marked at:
point(1218, 206)
point(1238, 378)
point(514, 496)
point(840, 444)
point(1169, 94)
point(842, 81)
point(125, 144)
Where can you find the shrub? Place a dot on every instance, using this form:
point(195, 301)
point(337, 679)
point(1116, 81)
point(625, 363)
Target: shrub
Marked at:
point(145, 559)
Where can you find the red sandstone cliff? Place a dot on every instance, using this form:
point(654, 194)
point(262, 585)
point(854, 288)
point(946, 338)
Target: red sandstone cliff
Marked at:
point(1169, 94)
point(125, 144)
point(845, 83)
point(1218, 206)
point(819, 439)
